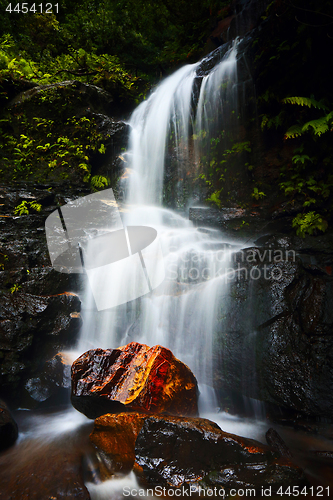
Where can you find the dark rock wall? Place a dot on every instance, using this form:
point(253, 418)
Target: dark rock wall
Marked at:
point(39, 307)
point(276, 338)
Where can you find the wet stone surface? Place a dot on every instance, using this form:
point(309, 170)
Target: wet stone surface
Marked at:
point(275, 340)
point(39, 307)
point(134, 377)
point(184, 452)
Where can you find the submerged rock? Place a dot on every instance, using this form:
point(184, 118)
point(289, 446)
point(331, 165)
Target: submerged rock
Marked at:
point(193, 452)
point(133, 377)
point(115, 436)
point(52, 384)
point(8, 427)
point(277, 444)
point(186, 452)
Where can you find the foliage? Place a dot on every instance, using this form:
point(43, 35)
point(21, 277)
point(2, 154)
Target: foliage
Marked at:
point(64, 154)
point(257, 195)
point(5, 259)
point(305, 101)
point(309, 223)
point(15, 288)
point(310, 178)
point(215, 198)
point(103, 70)
point(24, 207)
point(99, 182)
point(220, 166)
point(291, 66)
point(163, 32)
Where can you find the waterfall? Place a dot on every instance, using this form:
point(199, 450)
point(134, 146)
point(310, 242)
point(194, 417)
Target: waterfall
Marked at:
point(181, 314)
point(169, 107)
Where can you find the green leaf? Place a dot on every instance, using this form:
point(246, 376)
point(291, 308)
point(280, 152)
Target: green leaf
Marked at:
point(305, 101)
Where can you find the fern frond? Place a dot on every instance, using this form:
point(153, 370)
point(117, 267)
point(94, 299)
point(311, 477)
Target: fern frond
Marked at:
point(305, 101)
point(294, 131)
point(329, 117)
point(319, 126)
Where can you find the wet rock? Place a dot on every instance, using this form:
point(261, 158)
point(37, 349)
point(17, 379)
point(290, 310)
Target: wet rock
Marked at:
point(8, 427)
point(182, 452)
point(248, 14)
point(277, 444)
point(32, 329)
point(133, 377)
point(37, 317)
point(52, 383)
point(257, 476)
point(82, 96)
point(275, 342)
point(115, 436)
point(24, 257)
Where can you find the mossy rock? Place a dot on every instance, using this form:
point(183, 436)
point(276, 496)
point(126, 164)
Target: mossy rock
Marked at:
point(62, 100)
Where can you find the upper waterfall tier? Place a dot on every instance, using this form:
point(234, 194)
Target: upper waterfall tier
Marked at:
point(169, 116)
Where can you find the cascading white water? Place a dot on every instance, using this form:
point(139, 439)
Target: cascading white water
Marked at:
point(169, 106)
point(217, 103)
point(182, 313)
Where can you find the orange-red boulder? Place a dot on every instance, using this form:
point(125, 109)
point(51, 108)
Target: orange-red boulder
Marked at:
point(115, 436)
point(134, 377)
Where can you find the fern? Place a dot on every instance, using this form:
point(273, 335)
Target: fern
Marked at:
point(25, 206)
point(318, 126)
point(309, 223)
point(305, 101)
point(98, 182)
point(294, 131)
point(275, 121)
point(215, 198)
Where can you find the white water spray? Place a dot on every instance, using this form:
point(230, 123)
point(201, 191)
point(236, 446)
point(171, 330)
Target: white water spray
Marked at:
point(168, 108)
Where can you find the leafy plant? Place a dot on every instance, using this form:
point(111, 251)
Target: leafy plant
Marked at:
point(15, 288)
point(317, 126)
point(25, 207)
point(220, 163)
point(5, 258)
point(257, 195)
point(215, 198)
point(51, 149)
point(99, 182)
point(309, 223)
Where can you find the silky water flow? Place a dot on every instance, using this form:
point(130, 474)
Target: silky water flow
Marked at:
point(182, 313)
